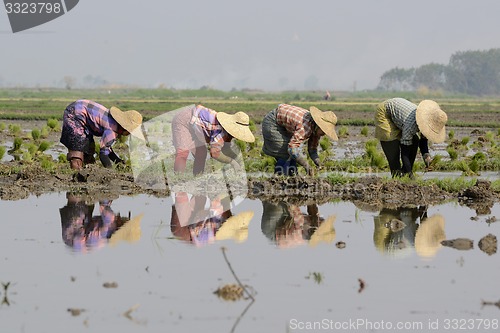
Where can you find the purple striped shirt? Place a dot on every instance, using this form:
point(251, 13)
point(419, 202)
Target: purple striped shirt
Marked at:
point(97, 121)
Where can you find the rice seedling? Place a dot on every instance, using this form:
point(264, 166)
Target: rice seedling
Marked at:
point(474, 166)
point(32, 148)
point(16, 145)
point(14, 129)
point(62, 158)
point(452, 152)
point(465, 140)
point(2, 127)
point(343, 131)
point(44, 132)
point(364, 131)
point(27, 157)
point(35, 134)
point(451, 134)
point(53, 124)
point(489, 136)
point(2, 152)
point(44, 145)
point(325, 143)
point(47, 163)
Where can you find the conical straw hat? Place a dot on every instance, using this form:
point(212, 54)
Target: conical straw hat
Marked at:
point(326, 120)
point(237, 125)
point(235, 227)
point(431, 121)
point(129, 120)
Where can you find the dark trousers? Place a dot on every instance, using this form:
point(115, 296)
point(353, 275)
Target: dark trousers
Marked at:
point(395, 153)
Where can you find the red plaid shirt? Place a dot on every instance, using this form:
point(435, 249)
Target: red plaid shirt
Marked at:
point(299, 122)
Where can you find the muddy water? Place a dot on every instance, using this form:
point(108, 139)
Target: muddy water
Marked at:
point(340, 266)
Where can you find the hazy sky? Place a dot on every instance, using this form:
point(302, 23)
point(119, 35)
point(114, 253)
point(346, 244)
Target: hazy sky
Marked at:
point(263, 44)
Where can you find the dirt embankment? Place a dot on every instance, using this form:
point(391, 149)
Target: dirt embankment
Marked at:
point(369, 193)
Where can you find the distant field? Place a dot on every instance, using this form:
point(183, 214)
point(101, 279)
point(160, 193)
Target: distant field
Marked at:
point(352, 110)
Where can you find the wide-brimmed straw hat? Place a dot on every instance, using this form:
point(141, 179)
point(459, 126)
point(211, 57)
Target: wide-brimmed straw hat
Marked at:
point(237, 125)
point(129, 120)
point(129, 232)
point(326, 120)
point(431, 121)
point(235, 227)
point(325, 232)
point(429, 235)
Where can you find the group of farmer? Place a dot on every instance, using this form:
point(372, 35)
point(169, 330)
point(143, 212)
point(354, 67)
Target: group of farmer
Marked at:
point(401, 126)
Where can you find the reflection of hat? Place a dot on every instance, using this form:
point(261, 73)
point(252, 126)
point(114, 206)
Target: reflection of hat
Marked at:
point(431, 121)
point(326, 120)
point(429, 235)
point(324, 233)
point(237, 125)
point(235, 227)
point(129, 232)
point(129, 120)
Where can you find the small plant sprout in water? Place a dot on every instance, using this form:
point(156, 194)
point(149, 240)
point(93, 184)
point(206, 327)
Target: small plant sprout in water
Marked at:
point(16, 146)
point(452, 152)
point(364, 131)
point(316, 276)
point(451, 134)
point(465, 140)
point(2, 152)
point(14, 129)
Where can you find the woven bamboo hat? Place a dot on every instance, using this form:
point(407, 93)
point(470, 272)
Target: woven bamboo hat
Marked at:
point(129, 120)
point(237, 125)
point(429, 235)
point(235, 227)
point(325, 232)
point(431, 121)
point(129, 232)
point(326, 120)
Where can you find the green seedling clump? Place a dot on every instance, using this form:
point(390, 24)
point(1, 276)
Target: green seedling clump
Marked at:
point(452, 152)
point(364, 131)
point(35, 134)
point(44, 145)
point(2, 152)
point(52, 123)
point(17, 144)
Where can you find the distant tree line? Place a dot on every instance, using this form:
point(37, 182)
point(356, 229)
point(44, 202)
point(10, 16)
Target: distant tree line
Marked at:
point(469, 72)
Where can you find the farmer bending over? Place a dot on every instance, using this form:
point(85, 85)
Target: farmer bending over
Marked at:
point(287, 127)
point(196, 127)
point(85, 119)
point(398, 123)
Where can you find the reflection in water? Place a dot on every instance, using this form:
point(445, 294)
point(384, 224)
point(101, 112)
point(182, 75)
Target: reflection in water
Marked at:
point(200, 220)
point(398, 233)
point(82, 231)
point(286, 225)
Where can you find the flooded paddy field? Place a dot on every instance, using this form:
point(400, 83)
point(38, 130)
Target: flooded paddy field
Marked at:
point(140, 264)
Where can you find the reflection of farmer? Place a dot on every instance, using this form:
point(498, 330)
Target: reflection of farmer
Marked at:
point(287, 226)
point(193, 223)
point(397, 231)
point(287, 127)
point(194, 128)
point(82, 231)
point(398, 122)
point(85, 119)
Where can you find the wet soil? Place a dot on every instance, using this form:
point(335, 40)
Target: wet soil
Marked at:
point(18, 181)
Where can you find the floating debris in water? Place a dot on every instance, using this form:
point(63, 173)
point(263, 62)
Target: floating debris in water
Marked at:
point(497, 304)
point(110, 285)
point(459, 243)
point(230, 292)
point(362, 285)
point(340, 245)
point(491, 219)
point(488, 244)
point(75, 312)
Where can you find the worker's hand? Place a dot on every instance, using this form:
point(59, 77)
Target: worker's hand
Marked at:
point(105, 160)
point(427, 160)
